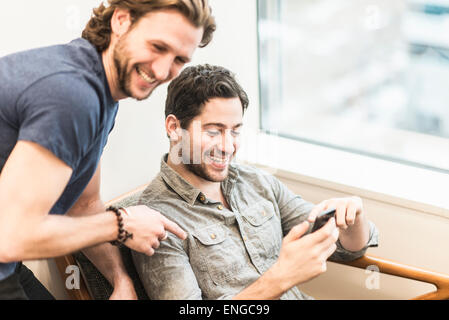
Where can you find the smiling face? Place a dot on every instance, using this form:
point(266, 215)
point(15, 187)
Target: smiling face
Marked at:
point(153, 51)
point(217, 139)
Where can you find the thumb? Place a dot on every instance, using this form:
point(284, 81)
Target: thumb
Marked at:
point(297, 232)
point(316, 210)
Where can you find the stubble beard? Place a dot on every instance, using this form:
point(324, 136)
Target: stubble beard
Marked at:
point(201, 170)
point(121, 63)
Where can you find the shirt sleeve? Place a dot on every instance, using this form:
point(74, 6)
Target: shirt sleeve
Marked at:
point(293, 209)
point(60, 113)
point(167, 274)
point(341, 254)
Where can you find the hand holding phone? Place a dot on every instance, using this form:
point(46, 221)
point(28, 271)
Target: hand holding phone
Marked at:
point(322, 218)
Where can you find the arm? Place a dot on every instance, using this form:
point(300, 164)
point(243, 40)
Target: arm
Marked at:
point(350, 219)
point(302, 258)
point(105, 257)
point(356, 232)
point(31, 182)
point(168, 274)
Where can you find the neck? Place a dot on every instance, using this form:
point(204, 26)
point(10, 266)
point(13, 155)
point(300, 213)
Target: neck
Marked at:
point(209, 188)
point(111, 74)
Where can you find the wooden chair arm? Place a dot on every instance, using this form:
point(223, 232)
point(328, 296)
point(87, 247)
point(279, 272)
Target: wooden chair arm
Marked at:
point(441, 281)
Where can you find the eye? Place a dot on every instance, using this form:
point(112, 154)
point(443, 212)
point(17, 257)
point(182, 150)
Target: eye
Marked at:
point(158, 48)
point(212, 133)
point(235, 133)
point(180, 60)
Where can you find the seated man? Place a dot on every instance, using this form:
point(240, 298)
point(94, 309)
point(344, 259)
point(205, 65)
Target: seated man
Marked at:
point(248, 235)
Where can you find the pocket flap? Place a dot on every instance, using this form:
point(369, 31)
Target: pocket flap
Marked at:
point(259, 213)
point(210, 235)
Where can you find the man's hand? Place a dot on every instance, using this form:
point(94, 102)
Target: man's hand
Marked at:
point(148, 227)
point(348, 211)
point(302, 258)
point(350, 218)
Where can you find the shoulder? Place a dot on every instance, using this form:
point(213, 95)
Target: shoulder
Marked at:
point(66, 94)
point(252, 175)
point(158, 195)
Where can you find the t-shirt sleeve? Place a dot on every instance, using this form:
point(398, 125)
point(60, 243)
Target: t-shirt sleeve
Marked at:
point(60, 113)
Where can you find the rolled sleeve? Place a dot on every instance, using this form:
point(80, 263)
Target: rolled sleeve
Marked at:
point(342, 254)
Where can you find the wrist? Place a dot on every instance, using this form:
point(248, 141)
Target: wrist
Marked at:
point(276, 282)
point(122, 279)
point(122, 234)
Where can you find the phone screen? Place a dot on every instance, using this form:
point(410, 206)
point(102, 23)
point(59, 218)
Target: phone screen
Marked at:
point(322, 218)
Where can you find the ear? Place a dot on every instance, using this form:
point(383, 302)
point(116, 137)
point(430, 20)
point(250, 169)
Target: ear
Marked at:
point(173, 128)
point(120, 22)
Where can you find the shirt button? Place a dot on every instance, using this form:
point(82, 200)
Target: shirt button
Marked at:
point(245, 238)
point(220, 207)
point(213, 236)
point(202, 198)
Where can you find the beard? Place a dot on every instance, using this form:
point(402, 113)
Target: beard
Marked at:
point(124, 72)
point(202, 169)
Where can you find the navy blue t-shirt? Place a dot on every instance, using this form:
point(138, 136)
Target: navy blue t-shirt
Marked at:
point(57, 97)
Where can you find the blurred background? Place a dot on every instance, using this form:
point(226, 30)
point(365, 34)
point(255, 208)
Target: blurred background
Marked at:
point(367, 76)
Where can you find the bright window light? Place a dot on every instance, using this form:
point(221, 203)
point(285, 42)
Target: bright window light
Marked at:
point(366, 76)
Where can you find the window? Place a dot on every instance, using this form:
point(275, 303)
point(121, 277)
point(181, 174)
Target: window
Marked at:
point(370, 77)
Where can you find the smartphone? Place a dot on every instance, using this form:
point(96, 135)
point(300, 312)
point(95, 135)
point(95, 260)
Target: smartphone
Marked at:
point(322, 218)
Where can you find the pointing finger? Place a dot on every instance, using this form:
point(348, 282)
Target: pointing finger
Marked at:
point(174, 228)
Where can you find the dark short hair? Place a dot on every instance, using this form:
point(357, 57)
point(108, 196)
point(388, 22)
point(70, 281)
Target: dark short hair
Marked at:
point(98, 28)
point(188, 93)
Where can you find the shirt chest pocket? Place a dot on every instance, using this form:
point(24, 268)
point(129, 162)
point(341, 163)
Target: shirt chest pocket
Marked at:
point(263, 226)
point(218, 254)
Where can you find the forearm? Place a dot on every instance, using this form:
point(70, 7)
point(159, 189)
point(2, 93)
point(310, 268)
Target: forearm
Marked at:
point(52, 235)
point(106, 257)
point(355, 237)
point(268, 287)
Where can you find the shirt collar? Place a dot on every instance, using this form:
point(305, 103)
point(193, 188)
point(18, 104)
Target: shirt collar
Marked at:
point(184, 189)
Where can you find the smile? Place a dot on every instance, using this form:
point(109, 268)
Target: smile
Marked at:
point(221, 161)
point(145, 76)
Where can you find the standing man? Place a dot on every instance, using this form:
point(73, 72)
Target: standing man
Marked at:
point(57, 107)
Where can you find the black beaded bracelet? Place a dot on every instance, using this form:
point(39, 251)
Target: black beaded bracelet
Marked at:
point(123, 235)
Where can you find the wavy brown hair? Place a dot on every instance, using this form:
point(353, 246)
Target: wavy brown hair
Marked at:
point(98, 29)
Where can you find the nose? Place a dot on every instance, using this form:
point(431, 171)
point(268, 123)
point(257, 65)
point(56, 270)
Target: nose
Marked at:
point(161, 68)
point(228, 143)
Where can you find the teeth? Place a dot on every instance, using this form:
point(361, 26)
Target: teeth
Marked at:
point(220, 160)
point(145, 76)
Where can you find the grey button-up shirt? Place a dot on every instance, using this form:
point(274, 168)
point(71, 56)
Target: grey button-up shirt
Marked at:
point(225, 250)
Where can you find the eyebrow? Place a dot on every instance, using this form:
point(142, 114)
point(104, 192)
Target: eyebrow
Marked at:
point(221, 125)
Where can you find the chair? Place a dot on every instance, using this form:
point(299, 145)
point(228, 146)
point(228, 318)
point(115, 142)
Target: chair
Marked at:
point(102, 289)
